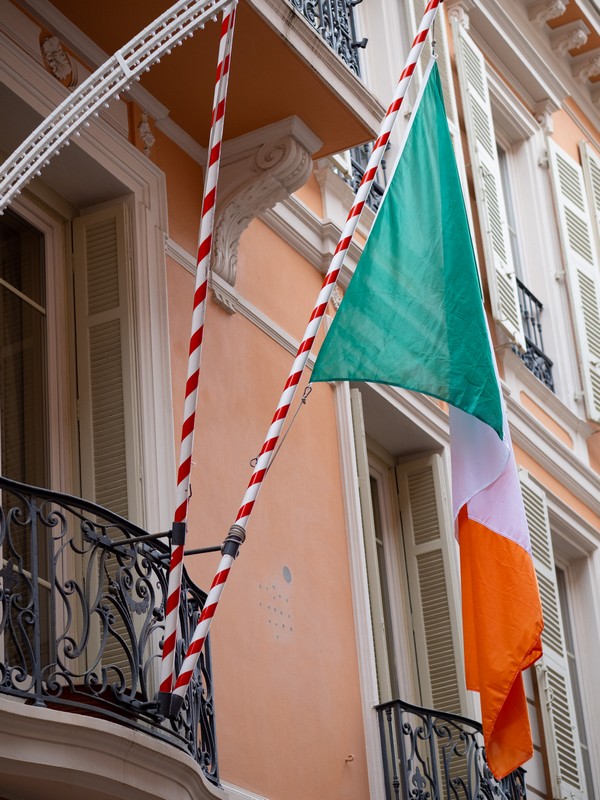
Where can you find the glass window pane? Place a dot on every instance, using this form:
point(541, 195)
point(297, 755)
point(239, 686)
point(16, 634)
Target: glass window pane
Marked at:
point(23, 412)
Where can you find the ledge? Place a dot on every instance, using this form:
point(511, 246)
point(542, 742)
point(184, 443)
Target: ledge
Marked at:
point(51, 754)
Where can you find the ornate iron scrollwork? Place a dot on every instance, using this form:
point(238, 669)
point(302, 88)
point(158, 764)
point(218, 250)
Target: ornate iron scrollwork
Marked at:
point(82, 618)
point(533, 357)
point(430, 754)
point(334, 21)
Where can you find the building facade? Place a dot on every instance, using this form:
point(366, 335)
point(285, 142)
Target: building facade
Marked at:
point(335, 665)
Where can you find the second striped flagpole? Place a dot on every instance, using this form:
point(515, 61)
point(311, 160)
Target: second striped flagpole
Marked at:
point(237, 532)
point(205, 236)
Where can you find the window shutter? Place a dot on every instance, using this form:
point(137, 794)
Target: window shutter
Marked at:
point(366, 505)
point(564, 758)
point(581, 266)
point(106, 390)
point(488, 185)
point(427, 543)
point(591, 174)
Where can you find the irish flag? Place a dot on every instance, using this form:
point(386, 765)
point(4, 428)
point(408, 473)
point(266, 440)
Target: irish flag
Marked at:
point(413, 317)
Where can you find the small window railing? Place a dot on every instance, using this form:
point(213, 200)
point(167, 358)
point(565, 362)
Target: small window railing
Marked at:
point(431, 755)
point(534, 357)
point(359, 159)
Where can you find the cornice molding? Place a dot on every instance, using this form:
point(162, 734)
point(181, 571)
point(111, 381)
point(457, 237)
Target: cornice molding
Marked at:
point(313, 238)
point(553, 456)
point(223, 291)
point(257, 171)
point(231, 300)
point(516, 49)
point(545, 398)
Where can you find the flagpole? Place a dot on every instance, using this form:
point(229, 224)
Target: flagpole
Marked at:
point(195, 350)
point(237, 532)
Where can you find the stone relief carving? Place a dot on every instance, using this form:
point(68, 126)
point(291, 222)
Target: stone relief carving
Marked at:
point(146, 134)
point(58, 61)
point(336, 298)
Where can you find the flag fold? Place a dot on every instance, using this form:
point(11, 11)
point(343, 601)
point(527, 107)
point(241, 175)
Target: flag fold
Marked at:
point(413, 317)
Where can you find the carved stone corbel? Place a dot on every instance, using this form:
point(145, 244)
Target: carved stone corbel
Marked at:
point(459, 10)
point(586, 66)
point(543, 114)
point(569, 37)
point(257, 171)
point(542, 12)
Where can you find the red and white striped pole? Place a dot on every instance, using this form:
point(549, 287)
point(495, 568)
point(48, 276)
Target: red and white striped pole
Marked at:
point(193, 372)
point(237, 532)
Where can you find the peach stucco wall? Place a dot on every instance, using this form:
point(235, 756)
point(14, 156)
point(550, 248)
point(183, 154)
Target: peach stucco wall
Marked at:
point(572, 128)
point(283, 642)
point(555, 487)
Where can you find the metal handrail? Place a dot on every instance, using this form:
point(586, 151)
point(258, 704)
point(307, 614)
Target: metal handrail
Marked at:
point(436, 754)
point(82, 618)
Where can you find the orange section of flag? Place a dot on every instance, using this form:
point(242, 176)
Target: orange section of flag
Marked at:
point(502, 627)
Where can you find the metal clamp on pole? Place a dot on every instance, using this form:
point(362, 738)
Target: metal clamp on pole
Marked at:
point(235, 538)
point(178, 532)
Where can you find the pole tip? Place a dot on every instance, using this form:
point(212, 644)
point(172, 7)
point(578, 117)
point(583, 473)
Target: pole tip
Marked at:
point(176, 703)
point(164, 703)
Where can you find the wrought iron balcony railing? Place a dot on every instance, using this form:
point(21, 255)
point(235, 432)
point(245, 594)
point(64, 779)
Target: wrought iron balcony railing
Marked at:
point(431, 755)
point(334, 21)
point(534, 357)
point(82, 603)
point(359, 158)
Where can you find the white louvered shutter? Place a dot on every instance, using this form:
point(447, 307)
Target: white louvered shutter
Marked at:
point(591, 174)
point(564, 758)
point(366, 506)
point(106, 384)
point(581, 266)
point(434, 601)
point(488, 185)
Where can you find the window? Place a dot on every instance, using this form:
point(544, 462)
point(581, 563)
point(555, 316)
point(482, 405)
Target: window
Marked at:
point(489, 191)
point(565, 608)
point(510, 211)
point(408, 545)
point(23, 364)
point(24, 445)
point(554, 671)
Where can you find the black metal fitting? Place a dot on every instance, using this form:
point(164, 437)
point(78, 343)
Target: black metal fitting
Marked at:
point(178, 533)
point(235, 538)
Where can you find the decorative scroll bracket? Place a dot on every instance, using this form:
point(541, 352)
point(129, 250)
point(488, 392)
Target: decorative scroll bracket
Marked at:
point(258, 170)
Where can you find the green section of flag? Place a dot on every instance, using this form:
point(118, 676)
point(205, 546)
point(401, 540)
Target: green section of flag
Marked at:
point(413, 314)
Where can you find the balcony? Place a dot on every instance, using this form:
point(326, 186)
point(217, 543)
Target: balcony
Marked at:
point(533, 357)
point(430, 755)
point(298, 57)
point(334, 20)
point(359, 158)
point(82, 599)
